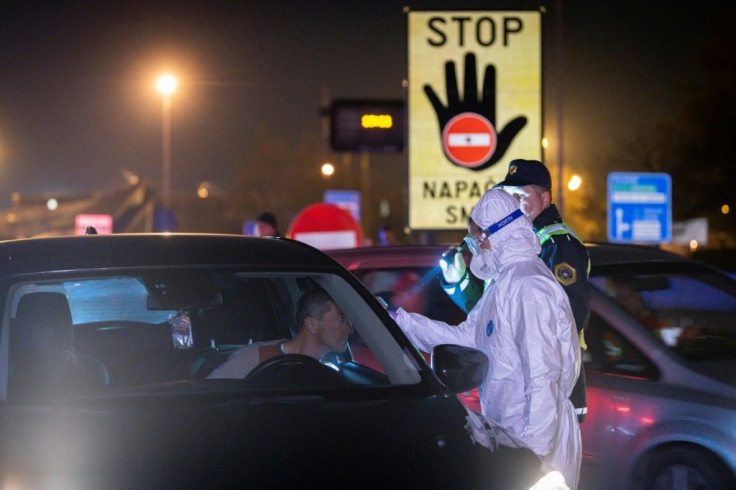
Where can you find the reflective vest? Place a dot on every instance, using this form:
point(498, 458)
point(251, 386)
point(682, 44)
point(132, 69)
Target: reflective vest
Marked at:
point(547, 232)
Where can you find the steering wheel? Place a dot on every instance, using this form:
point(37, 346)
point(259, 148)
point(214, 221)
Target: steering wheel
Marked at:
point(292, 371)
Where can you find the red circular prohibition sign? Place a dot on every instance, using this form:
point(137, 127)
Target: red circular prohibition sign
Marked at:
point(469, 139)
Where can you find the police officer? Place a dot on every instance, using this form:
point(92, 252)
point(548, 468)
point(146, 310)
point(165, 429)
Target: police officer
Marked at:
point(563, 251)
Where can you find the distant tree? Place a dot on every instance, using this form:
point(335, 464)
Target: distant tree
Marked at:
point(696, 148)
point(279, 176)
point(585, 209)
point(704, 162)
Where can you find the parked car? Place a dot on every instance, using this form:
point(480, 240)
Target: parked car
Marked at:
point(660, 361)
point(107, 340)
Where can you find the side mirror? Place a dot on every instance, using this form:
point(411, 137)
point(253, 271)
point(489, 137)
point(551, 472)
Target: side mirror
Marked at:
point(459, 368)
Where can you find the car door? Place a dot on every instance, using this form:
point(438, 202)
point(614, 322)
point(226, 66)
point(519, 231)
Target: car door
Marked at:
point(621, 385)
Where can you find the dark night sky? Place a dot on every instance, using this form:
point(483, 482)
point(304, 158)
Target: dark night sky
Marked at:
point(78, 107)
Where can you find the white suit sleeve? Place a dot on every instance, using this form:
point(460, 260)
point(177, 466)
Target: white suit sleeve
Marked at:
point(426, 333)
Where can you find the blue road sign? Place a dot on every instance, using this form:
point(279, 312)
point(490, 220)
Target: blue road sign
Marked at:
point(639, 207)
point(164, 220)
point(347, 200)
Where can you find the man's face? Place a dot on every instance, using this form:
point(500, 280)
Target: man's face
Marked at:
point(333, 330)
point(475, 232)
point(532, 199)
point(265, 229)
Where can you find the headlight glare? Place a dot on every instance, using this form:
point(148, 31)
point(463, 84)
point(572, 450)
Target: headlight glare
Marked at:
point(554, 480)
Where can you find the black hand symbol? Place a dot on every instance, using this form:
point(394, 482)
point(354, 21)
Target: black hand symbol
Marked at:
point(485, 107)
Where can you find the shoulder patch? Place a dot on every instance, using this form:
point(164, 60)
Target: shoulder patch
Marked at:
point(565, 273)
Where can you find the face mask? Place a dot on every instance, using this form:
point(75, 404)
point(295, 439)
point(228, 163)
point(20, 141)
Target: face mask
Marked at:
point(481, 265)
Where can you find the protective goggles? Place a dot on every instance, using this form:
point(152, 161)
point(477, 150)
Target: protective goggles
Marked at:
point(474, 242)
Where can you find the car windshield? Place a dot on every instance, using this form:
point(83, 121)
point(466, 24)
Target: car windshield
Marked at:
point(155, 328)
point(415, 289)
point(689, 308)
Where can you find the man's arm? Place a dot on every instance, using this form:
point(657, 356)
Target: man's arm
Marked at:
point(426, 333)
point(466, 292)
point(569, 264)
point(458, 282)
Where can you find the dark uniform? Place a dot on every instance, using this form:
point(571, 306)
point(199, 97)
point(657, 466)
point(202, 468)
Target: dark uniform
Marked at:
point(568, 259)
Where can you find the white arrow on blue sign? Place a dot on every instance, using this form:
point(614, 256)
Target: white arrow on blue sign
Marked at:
point(639, 207)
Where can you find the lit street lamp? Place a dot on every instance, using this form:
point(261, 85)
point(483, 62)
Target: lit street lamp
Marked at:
point(328, 170)
point(574, 183)
point(203, 190)
point(166, 85)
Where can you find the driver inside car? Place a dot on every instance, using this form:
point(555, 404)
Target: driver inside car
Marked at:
point(321, 327)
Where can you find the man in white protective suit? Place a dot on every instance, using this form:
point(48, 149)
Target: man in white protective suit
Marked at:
point(524, 324)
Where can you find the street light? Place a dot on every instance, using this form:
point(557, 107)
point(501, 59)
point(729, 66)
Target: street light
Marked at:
point(575, 182)
point(327, 170)
point(203, 190)
point(166, 85)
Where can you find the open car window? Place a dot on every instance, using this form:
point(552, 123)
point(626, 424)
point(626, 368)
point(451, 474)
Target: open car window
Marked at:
point(121, 331)
point(691, 310)
point(415, 289)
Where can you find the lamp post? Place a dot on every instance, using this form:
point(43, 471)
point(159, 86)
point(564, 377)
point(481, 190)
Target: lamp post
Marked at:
point(166, 85)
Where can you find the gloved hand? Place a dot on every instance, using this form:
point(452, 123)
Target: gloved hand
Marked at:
point(453, 265)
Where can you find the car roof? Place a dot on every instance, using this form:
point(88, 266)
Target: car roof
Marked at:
point(388, 256)
point(621, 253)
point(422, 255)
point(135, 250)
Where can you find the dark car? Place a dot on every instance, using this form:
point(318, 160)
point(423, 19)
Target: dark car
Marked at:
point(107, 342)
point(660, 361)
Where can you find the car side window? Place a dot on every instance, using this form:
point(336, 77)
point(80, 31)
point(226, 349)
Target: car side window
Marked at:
point(415, 289)
point(691, 311)
point(611, 353)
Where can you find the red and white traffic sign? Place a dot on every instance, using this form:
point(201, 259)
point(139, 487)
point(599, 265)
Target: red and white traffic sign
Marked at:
point(326, 227)
point(469, 139)
point(102, 223)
